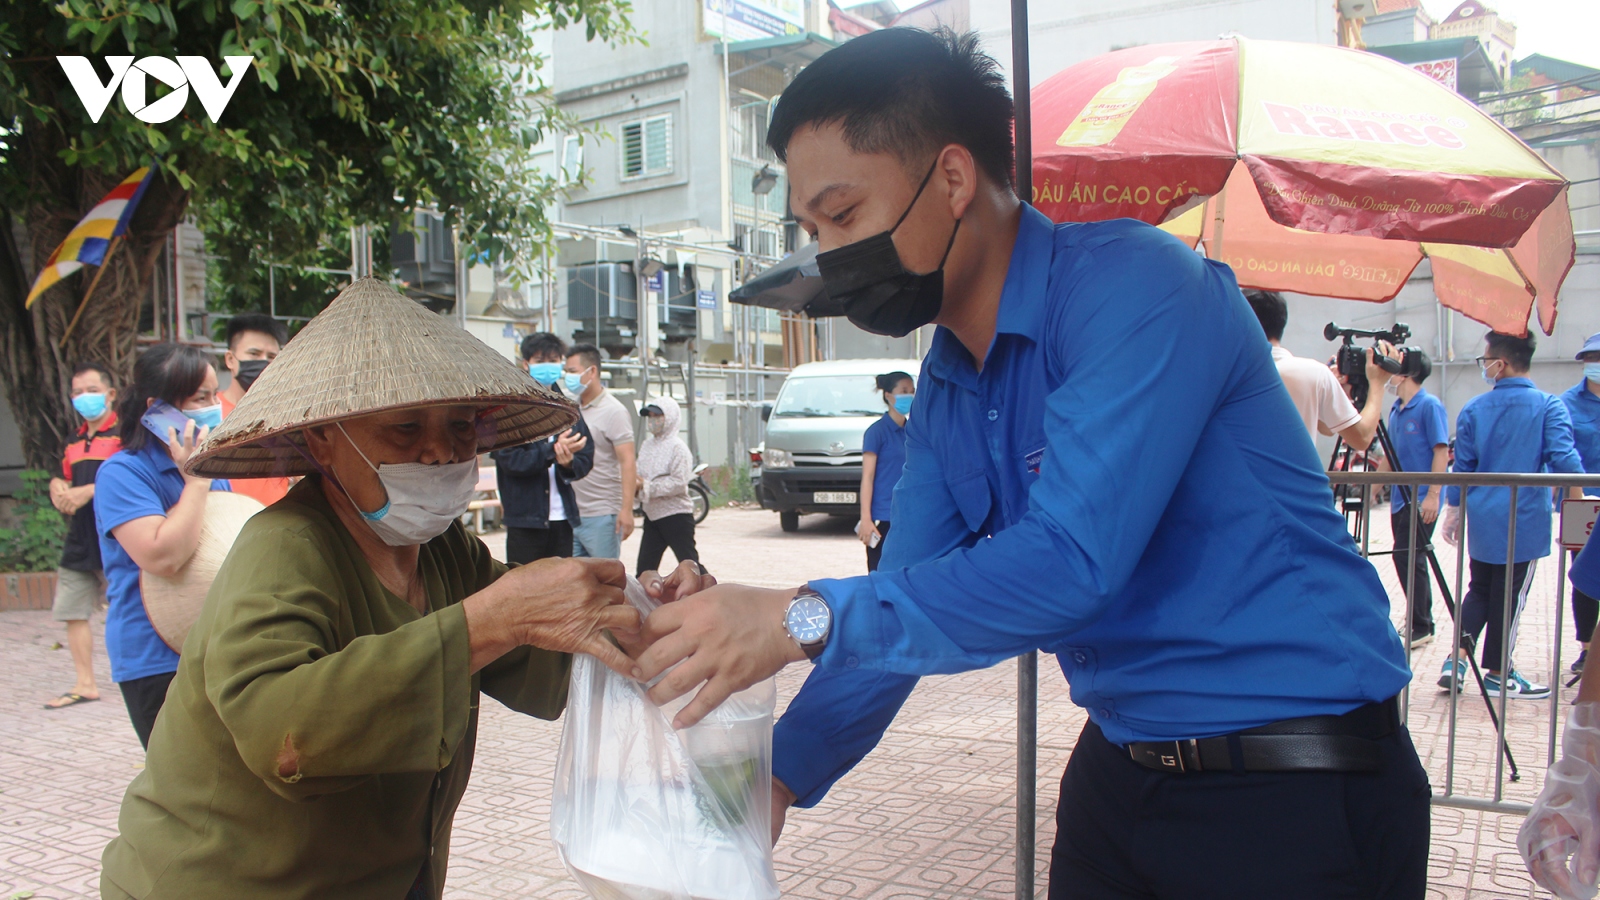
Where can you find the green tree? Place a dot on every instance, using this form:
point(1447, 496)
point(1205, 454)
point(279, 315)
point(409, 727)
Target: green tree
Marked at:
point(355, 112)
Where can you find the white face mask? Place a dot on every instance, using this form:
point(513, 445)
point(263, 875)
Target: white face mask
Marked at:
point(658, 425)
point(1392, 387)
point(423, 499)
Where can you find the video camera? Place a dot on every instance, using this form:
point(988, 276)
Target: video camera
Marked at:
point(1352, 360)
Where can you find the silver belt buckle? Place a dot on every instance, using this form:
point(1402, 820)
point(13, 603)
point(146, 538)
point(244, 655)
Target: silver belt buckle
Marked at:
point(1167, 760)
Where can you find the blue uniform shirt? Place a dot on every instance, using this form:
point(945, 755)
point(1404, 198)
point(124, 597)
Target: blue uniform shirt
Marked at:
point(888, 440)
point(1585, 571)
point(1416, 428)
point(1126, 484)
point(130, 485)
point(1584, 409)
point(1513, 428)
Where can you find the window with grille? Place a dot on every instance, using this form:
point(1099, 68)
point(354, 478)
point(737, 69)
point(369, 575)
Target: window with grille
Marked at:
point(647, 147)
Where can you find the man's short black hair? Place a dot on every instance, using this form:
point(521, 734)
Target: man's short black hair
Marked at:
point(1271, 311)
point(543, 345)
point(259, 323)
point(90, 366)
point(1516, 351)
point(907, 92)
point(1420, 366)
point(589, 353)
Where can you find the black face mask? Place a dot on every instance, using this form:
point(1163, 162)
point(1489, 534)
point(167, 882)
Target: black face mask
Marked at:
point(249, 371)
point(877, 292)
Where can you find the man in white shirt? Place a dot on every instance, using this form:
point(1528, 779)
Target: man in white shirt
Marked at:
point(1315, 389)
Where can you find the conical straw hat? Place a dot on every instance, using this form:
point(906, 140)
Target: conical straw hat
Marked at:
point(173, 604)
point(374, 349)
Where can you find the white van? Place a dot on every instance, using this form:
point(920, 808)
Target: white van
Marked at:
point(811, 461)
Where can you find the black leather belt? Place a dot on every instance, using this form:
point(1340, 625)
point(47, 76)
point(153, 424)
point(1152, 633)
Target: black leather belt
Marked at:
point(1346, 743)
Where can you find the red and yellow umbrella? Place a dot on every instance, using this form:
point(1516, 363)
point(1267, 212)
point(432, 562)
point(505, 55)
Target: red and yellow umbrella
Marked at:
point(1308, 168)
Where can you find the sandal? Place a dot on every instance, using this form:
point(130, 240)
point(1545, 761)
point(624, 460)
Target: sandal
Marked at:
point(72, 700)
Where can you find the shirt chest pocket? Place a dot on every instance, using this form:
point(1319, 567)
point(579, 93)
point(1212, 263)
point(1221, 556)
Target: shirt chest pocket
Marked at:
point(971, 493)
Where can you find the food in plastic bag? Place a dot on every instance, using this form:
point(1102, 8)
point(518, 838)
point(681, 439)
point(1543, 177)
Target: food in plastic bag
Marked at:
point(642, 811)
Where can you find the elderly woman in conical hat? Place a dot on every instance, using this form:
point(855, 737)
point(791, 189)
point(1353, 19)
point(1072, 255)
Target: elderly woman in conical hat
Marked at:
point(319, 733)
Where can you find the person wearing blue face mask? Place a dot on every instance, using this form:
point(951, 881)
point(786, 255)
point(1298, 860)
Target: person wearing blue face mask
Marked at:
point(1515, 427)
point(535, 479)
point(148, 514)
point(883, 458)
point(80, 580)
point(1583, 405)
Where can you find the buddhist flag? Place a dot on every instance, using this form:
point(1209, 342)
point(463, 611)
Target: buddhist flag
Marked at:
point(87, 243)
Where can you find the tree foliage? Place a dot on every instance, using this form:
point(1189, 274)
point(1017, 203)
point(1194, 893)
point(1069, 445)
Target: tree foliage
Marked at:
point(355, 112)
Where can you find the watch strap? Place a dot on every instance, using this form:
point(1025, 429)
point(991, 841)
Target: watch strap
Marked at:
point(815, 648)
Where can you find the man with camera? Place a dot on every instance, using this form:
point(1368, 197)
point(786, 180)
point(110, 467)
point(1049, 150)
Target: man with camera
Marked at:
point(1420, 435)
point(1315, 389)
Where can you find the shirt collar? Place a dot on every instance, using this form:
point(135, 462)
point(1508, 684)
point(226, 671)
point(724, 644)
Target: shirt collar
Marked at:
point(1022, 299)
point(1401, 404)
point(109, 427)
point(155, 453)
point(1581, 390)
point(1514, 381)
point(1281, 353)
point(597, 398)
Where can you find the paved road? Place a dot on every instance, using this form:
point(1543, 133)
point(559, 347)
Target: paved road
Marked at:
point(929, 814)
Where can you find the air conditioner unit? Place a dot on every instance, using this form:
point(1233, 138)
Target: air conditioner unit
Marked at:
point(1356, 10)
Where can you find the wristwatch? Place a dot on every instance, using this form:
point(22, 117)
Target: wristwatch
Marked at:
point(809, 621)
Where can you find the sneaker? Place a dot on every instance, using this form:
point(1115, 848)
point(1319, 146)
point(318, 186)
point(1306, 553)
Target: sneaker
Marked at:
point(1516, 687)
point(1452, 673)
point(1421, 638)
point(1577, 665)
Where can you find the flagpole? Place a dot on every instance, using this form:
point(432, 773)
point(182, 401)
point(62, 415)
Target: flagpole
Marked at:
point(105, 261)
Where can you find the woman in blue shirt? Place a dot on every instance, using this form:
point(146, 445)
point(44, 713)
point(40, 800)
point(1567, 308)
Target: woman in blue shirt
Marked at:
point(147, 513)
point(883, 458)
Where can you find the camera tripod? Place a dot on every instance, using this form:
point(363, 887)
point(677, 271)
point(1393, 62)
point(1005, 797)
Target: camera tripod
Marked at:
point(1342, 493)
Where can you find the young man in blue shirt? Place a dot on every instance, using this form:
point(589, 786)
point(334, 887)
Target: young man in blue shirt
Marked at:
point(1420, 433)
point(1515, 427)
point(1583, 405)
point(1103, 464)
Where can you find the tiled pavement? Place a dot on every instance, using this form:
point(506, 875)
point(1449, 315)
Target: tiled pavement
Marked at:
point(929, 814)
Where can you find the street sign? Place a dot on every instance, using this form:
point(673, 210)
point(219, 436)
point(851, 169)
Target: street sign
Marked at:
point(657, 282)
point(705, 299)
point(1577, 521)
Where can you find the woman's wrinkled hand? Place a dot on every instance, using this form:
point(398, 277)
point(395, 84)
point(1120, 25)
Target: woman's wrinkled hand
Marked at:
point(566, 605)
point(688, 578)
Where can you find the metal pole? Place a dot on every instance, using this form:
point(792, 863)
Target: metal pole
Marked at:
point(1505, 642)
point(1455, 646)
point(1028, 663)
point(1555, 646)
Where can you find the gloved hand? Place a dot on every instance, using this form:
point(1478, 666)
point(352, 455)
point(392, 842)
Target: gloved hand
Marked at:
point(1449, 521)
point(1565, 820)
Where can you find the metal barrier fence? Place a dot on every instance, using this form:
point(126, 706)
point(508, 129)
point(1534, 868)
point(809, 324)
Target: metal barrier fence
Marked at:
point(1366, 483)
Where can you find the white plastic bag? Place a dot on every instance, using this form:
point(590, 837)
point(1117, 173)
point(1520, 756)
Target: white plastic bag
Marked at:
point(644, 812)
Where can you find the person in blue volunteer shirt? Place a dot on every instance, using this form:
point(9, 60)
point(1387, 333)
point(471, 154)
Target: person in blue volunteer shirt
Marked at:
point(147, 514)
point(883, 458)
point(1420, 432)
point(1583, 405)
point(1515, 427)
point(1103, 464)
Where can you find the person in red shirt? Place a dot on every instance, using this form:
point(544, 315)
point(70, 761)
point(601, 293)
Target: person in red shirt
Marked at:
point(80, 583)
point(254, 340)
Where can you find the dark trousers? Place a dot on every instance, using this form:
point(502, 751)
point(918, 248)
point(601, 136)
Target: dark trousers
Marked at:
point(675, 531)
point(1405, 561)
point(524, 545)
point(1585, 611)
point(876, 553)
point(1485, 604)
point(1125, 832)
point(144, 697)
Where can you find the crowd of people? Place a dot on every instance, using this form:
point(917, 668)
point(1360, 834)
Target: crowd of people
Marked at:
point(1514, 427)
point(1158, 521)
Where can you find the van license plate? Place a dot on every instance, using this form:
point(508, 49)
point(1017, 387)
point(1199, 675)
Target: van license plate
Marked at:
point(837, 497)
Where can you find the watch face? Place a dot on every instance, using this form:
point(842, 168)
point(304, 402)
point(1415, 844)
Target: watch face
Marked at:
point(808, 620)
